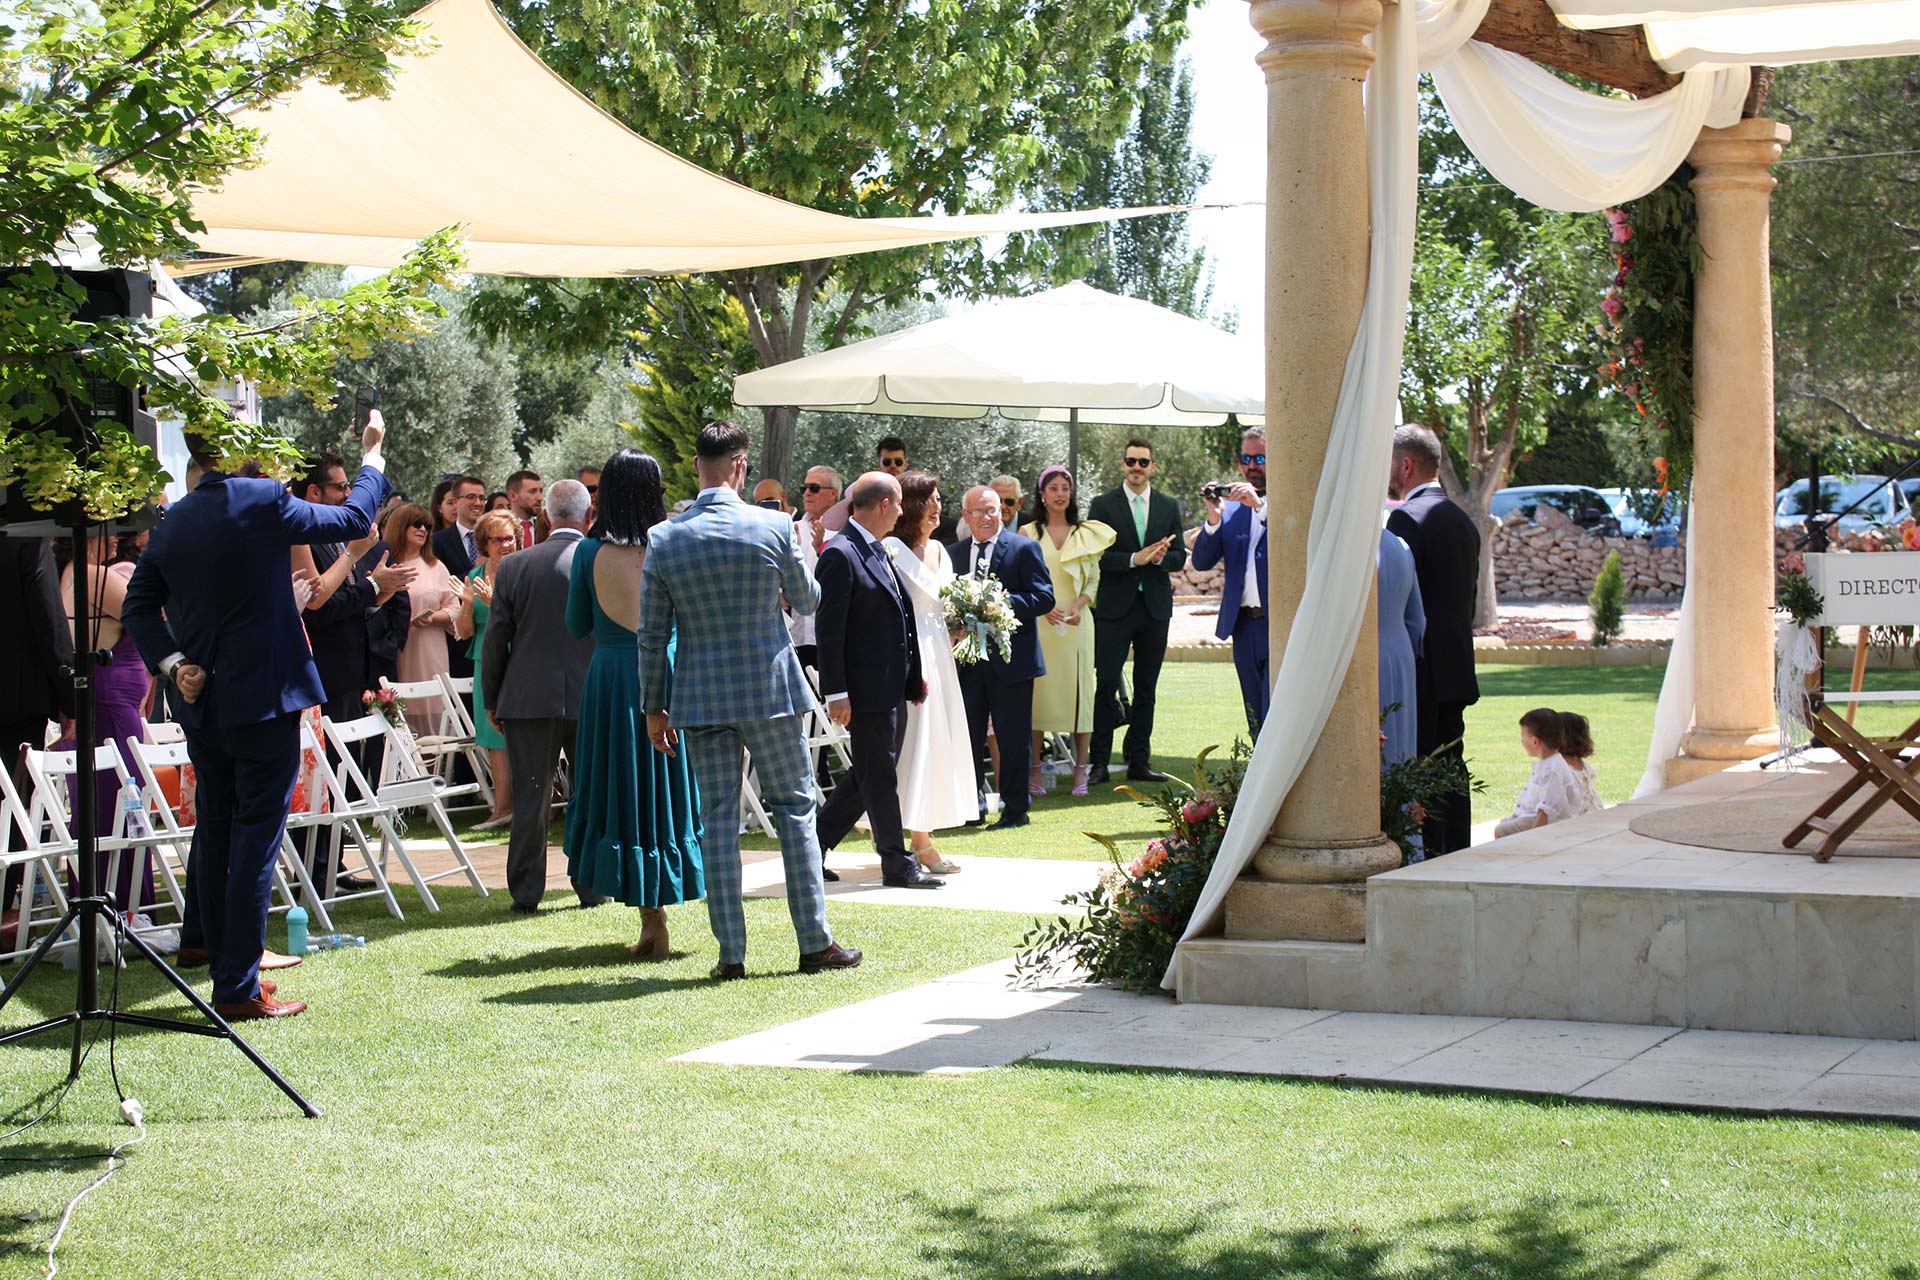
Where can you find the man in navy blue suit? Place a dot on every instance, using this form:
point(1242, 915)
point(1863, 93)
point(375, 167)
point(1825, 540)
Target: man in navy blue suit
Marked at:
point(1004, 690)
point(869, 655)
point(211, 606)
point(1239, 537)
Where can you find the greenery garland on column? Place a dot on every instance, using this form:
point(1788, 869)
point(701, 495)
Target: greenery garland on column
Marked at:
point(1647, 322)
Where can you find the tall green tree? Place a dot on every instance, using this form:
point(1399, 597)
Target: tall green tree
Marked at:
point(872, 108)
point(111, 116)
point(1846, 258)
point(1498, 323)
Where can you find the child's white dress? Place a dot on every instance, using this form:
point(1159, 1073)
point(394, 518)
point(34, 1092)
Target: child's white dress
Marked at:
point(1556, 789)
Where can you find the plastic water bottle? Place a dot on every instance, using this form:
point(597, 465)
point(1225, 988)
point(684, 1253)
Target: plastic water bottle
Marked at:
point(297, 931)
point(334, 941)
point(133, 810)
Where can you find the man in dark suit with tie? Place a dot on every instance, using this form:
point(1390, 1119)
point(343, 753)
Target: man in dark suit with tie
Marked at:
point(869, 666)
point(1239, 536)
point(1000, 689)
point(1446, 558)
point(455, 548)
point(1134, 609)
point(211, 608)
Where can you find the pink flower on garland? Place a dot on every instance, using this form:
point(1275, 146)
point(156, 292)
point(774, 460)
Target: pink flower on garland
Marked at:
point(1195, 812)
point(1612, 305)
point(1620, 226)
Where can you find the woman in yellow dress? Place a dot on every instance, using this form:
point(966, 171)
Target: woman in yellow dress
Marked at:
point(1063, 697)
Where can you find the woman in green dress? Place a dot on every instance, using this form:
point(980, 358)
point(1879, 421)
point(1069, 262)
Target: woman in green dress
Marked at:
point(633, 822)
point(1063, 696)
point(494, 537)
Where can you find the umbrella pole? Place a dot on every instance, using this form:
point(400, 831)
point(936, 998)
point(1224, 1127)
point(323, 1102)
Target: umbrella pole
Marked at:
point(1073, 445)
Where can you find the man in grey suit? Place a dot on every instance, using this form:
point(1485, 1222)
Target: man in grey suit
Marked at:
point(717, 573)
point(532, 669)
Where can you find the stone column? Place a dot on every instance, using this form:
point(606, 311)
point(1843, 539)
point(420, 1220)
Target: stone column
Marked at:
point(1732, 571)
point(1308, 880)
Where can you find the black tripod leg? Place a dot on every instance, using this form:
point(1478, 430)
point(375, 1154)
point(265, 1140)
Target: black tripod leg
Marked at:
point(38, 954)
point(227, 1032)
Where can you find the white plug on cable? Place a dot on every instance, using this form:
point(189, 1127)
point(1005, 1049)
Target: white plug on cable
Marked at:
point(132, 1112)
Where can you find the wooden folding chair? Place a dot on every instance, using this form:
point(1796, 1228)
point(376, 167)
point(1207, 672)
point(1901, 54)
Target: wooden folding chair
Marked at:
point(1879, 763)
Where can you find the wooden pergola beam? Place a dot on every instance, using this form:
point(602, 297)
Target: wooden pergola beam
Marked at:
point(1618, 58)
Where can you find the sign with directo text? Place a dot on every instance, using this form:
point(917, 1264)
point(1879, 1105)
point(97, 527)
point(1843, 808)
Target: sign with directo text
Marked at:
point(1867, 588)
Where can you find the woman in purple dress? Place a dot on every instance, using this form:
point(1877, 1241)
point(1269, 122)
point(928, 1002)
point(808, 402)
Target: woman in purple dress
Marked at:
point(120, 689)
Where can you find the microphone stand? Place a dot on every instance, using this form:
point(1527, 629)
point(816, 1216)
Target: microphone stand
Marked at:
point(91, 909)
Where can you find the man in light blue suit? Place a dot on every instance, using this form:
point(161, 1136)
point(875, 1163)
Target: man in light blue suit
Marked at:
point(211, 607)
point(718, 572)
point(1239, 537)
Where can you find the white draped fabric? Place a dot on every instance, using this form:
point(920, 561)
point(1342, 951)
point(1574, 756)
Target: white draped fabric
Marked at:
point(1684, 34)
point(1558, 146)
point(1674, 714)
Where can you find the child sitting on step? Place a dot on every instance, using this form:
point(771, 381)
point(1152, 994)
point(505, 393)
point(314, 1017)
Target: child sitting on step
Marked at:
point(1576, 745)
point(1558, 788)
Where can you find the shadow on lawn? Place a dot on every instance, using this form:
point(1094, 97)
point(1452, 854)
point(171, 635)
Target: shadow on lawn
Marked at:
point(1101, 1235)
point(597, 990)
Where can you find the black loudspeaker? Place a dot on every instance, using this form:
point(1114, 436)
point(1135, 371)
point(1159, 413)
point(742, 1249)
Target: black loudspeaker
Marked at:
point(109, 293)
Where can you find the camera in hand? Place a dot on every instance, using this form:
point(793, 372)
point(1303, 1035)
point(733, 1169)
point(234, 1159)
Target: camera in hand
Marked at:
point(1216, 492)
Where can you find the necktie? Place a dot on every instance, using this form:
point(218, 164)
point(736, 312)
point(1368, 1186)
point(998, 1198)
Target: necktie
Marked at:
point(473, 552)
point(980, 550)
point(526, 534)
point(1140, 517)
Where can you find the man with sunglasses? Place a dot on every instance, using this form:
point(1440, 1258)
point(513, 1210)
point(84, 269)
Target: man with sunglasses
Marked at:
point(1239, 537)
point(817, 496)
point(1133, 610)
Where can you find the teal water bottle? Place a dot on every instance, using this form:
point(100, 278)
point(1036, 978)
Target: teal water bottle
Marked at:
point(297, 931)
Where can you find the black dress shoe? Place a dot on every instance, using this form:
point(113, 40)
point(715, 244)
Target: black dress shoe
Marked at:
point(1097, 776)
point(829, 874)
point(1144, 773)
point(918, 880)
point(353, 884)
point(834, 957)
point(1008, 820)
point(526, 908)
point(588, 898)
point(727, 972)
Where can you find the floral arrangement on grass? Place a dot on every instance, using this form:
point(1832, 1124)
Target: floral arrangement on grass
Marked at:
point(387, 703)
point(979, 609)
point(1137, 912)
point(1795, 593)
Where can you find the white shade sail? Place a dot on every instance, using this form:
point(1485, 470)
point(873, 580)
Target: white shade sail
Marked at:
point(1683, 34)
point(481, 133)
point(1112, 359)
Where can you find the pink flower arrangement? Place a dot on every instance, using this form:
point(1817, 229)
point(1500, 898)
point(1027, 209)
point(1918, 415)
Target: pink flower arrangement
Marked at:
point(1793, 562)
point(1195, 812)
point(1619, 226)
point(1149, 862)
point(1612, 305)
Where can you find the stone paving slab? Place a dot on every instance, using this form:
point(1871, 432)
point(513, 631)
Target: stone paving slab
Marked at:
point(974, 1021)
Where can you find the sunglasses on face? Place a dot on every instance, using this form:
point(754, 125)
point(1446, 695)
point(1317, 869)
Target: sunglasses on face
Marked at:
point(1253, 459)
point(818, 488)
point(420, 524)
point(593, 488)
point(1139, 462)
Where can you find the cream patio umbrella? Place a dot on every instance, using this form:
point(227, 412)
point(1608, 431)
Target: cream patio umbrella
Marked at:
point(1066, 355)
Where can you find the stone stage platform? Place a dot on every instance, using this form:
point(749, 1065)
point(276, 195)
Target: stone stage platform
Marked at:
point(1589, 921)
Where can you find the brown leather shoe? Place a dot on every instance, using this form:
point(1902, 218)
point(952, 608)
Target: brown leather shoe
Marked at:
point(834, 957)
point(727, 972)
point(189, 957)
point(268, 986)
point(261, 1006)
point(274, 960)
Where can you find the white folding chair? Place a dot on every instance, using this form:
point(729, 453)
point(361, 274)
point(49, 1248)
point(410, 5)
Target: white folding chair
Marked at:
point(174, 838)
point(442, 738)
point(39, 855)
point(459, 705)
point(823, 735)
point(756, 812)
point(338, 822)
point(48, 809)
point(386, 803)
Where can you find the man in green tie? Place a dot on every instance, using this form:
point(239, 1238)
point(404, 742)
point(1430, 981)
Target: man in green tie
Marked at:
point(1133, 609)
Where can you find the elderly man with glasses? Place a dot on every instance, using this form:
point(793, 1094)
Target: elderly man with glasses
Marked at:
point(1133, 610)
point(1239, 537)
point(818, 495)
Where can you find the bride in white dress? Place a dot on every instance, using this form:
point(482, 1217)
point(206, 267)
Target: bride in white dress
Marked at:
point(936, 774)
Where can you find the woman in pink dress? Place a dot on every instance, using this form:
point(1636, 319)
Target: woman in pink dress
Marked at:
point(433, 596)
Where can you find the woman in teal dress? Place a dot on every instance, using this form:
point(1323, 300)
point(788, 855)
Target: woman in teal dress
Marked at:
point(633, 822)
point(495, 539)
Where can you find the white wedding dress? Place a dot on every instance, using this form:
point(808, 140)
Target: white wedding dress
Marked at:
point(936, 776)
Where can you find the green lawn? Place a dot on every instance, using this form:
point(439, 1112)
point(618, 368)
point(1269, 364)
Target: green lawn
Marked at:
point(499, 1104)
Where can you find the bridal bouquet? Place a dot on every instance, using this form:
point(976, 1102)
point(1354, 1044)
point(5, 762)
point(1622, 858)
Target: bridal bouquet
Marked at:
point(979, 609)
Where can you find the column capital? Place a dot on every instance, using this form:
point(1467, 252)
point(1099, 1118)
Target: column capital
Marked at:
point(1309, 36)
point(1738, 156)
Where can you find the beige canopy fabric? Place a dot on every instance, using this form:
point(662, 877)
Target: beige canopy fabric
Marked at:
point(481, 133)
point(1683, 34)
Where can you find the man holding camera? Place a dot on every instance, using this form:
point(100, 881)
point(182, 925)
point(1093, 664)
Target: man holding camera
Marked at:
point(1239, 536)
point(1133, 610)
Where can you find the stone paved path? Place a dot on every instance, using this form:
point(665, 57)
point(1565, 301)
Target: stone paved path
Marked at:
point(973, 1021)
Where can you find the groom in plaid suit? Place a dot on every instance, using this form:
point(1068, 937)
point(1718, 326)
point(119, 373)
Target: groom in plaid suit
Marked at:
point(718, 572)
